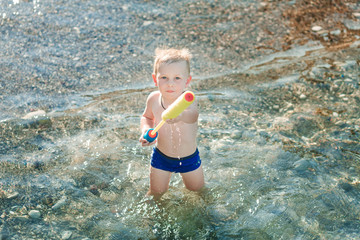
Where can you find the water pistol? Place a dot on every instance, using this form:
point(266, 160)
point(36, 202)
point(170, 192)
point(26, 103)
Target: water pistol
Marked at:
point(174, 110)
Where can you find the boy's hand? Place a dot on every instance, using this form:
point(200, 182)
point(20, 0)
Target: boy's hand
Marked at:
point(144, 142)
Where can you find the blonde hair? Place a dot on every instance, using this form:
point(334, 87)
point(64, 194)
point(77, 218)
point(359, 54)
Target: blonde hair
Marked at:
point(171, 55)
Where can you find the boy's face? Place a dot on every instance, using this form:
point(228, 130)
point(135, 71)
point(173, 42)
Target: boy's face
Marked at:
point(172, 79)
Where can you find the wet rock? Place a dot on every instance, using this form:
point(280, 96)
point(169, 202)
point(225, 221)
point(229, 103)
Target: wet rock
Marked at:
point(316, 28)
point(288, 137)
point(305, 126)
point(288, 107)
point(21, 219)
point(35, 214)
point(109, 196)
point(48, 200)
point(319, 71)
point(66, 235)
point(4, 236)
point(38, 122)
point(220, 213)
point(62, 202)
point(35, 114)
point(335, 32)
point(94, 190)
point(38, 165)
point(282, 123)
point(261, 141)
point(248, 134)
point(275, 138)
point(353, 25)
point(12, 195)
point(249, 233)
point(116, 236)
point(328, 150)
point(84, 181)
point(302, 165)
point(346, 186)
point(335, 200)
point(285, 161)
point(264, 134)
point(236, 134)
point(347, 65)
point(147, 23)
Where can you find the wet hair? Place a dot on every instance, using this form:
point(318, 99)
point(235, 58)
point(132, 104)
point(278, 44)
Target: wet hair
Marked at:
point(171, 55)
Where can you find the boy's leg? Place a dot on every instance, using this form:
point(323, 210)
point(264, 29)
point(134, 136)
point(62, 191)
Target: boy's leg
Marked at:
point(159, 182)
point(194, 180)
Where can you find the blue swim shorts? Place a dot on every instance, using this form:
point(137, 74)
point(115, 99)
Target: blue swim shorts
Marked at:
point(176, 165)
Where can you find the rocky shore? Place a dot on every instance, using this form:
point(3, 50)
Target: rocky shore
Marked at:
point(286, 96)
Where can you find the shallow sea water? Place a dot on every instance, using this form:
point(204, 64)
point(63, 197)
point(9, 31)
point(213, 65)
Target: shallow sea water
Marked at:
point(279, 127)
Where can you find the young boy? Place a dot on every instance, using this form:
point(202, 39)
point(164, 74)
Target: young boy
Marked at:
point(176, 148)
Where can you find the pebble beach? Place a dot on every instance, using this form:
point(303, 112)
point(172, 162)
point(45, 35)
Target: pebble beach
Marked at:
point(279, 127)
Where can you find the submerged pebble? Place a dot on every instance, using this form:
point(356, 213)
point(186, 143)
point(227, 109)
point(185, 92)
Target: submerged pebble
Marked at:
point(35, 114)
point(302, 96)
point(316, 28)
point(12, 195)
point(302, 165)
point(62, 202)
point(34, 214)
point(4, 236)
point(65, 235)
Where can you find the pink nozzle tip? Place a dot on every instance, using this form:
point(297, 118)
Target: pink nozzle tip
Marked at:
point(152, 134)
point(189, 97)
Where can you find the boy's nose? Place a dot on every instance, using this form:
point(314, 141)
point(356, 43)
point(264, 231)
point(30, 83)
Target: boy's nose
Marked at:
point(171, 81)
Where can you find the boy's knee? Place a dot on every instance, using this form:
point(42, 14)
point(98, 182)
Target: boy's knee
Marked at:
point(196, 187)
point(157, 192)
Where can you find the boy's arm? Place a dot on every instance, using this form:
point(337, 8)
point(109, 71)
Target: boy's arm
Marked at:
point(147, 121)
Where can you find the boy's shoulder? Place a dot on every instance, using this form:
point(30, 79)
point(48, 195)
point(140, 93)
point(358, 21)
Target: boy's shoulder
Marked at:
point(154, 95)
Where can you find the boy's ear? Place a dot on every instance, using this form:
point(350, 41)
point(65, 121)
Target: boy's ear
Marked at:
point(188, 80)
point(154, 79)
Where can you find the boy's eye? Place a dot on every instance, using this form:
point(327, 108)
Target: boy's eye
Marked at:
point(177, 78)
point(163, 77)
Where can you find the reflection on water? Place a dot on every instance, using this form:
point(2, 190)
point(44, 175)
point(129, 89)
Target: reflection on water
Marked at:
point(279, 130)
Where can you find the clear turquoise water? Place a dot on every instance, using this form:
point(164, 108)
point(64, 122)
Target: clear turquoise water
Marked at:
point(279, 129)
